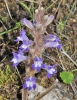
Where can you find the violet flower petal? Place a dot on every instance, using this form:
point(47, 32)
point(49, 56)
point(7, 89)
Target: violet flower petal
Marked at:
point(24, 86)
point(27, 23)
point(33, 66)
point(34, 22)
point(49, 20)
point(22, 36)
point(52, 38)
point(34, 86)
point(26, 45)
point(18, 57)
point(29, 88)
point(49, 75)
point(50, 70)
point(52, 41)
point(52, 45)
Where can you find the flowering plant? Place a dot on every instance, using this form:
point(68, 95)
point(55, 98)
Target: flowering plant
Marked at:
point(35, 47)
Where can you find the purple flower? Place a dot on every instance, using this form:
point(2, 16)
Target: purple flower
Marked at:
point(38, 63)
point(27, 23)
point(22, 36)
point(52, 41)
point(18, 57)
point(26, 45)
point(30, 83)
point(52, 38)
point(50, 70)
point(49, 20)
point(53, 45)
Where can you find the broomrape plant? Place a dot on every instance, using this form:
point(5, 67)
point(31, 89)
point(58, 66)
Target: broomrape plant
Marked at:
point(35, 47)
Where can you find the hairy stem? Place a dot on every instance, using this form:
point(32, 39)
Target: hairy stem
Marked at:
point(24, 94)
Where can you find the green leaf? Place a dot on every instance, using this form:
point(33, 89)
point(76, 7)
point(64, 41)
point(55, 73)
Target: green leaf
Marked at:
point(61, 25)
point(18, 24)
point(4, 18)
point(67, 77)
point(26, 7)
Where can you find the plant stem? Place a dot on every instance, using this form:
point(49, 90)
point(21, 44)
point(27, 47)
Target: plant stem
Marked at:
point(48, 90)
point(10, 30)
point(24, 94)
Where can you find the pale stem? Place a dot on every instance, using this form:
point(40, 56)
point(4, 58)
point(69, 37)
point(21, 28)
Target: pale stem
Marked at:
point(24, 94)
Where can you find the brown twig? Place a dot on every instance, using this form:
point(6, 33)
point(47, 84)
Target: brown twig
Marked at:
point(8, 9)
point(3, 25)
point(58, 6)
point(48, 90)
point(69, 57)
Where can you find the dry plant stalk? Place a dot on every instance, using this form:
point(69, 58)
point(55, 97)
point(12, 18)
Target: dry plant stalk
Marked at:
point(48, 90)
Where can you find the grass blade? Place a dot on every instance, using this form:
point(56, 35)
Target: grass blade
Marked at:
point(26, 7)
point(10, 30)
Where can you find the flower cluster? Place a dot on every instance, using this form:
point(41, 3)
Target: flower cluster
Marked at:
point(36, 46)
